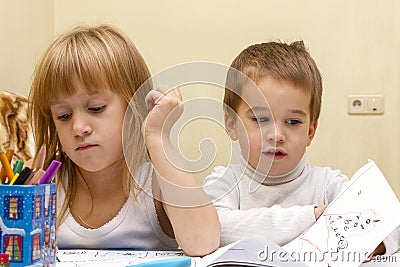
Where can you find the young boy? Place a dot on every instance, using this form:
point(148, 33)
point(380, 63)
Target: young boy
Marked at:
point(273, 192)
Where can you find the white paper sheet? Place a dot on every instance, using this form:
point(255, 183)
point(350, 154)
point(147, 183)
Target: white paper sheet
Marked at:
point(100, 258)
point(353, 225)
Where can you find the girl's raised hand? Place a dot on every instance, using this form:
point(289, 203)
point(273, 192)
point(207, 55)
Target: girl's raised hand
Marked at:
point(165, 107)
point(173, 186)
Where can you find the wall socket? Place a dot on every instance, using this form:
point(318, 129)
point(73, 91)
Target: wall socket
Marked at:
point(365, 104)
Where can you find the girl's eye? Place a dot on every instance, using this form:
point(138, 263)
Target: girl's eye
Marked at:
point(260, 120)
point(97, 109)
point(293, 121)
point(64, 117)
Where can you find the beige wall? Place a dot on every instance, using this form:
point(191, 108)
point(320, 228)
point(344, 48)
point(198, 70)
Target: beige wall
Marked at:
point(355, 43)
point(26, 27)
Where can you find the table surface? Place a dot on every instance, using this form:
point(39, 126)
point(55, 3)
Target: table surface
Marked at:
point(122, 258)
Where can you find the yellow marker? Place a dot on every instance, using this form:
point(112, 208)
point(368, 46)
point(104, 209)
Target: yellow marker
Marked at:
point(6, 165)
point(14, 178)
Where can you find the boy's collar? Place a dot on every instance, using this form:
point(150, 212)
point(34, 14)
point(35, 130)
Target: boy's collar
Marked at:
point(262, 178)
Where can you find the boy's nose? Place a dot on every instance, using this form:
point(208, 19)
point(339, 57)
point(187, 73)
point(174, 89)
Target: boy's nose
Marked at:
point(80, 126)
point(276, 135)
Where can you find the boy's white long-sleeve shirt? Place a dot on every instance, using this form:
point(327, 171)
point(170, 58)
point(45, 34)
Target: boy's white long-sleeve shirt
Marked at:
point(276, 208)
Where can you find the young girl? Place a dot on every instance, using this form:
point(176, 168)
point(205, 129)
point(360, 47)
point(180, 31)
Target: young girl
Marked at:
point(81, 89)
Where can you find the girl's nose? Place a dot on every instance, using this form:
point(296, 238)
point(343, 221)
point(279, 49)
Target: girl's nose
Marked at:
point(81, 126)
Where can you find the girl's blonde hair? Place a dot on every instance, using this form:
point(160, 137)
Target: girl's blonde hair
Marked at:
point(96, 56)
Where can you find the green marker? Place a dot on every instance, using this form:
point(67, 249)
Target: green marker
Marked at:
point(18, 166)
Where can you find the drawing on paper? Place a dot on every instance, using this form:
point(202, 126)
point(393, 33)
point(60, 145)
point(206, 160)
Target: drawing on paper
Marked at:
point(341, 228)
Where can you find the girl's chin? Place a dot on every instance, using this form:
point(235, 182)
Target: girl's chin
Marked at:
point(90, 167)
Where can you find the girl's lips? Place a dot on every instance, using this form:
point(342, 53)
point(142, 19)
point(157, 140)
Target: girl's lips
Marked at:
point(85, 147)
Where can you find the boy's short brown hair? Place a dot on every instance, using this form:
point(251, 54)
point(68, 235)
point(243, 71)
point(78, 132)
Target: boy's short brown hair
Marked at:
point(288, 62)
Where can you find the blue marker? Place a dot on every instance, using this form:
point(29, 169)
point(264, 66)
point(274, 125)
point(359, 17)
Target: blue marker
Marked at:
point(173, 262)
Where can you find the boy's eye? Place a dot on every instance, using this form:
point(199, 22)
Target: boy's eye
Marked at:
point(97, 109)
point(261, 119)
point(64, 117)
point(293, 121)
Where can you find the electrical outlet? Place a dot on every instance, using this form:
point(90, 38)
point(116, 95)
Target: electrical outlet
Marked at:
point(365, 104)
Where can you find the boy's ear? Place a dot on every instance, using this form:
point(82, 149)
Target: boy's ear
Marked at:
point(230, 125)
point(311, 132)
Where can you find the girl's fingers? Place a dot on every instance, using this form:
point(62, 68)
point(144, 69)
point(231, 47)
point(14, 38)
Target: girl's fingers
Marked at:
point(177, 92)
point(162, 88)
point(151, 98)
point(156, 94)
point(166, 90)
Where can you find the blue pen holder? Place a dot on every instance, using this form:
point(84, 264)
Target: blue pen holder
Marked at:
point(28, 224)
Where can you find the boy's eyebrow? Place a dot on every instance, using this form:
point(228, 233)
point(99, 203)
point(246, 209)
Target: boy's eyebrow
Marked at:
point(260, 108)
point(292, 111)
point(299, 112)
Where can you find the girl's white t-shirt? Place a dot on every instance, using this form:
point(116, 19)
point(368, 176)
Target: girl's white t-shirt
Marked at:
point(135, 226)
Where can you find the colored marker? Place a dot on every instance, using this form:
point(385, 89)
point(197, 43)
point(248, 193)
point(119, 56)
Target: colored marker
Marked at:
point(9, 155)
point(18, 166)
point(50, 172)
point(40, 157)
point(173, 262)
point(23, 175)
point(12, 181)
point(35, 178)
point(6, 166)
point(29, 163)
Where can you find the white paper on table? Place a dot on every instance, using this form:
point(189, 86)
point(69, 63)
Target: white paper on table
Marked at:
point(116, 258)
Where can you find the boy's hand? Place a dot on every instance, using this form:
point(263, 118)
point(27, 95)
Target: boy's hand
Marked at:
point(165, 108)
point(318, 210)
point(379, 250)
